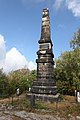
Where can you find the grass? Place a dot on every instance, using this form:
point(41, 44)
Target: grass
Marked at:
point(68, 106)
point(63, 108)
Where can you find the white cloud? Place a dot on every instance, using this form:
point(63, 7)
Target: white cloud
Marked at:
point(2, 48)
point(13, 59)
point(31, 65)
point(58, 4)
point(74, 6)
point(2, 51)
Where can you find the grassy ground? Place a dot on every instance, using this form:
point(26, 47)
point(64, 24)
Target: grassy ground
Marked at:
point(68, 106)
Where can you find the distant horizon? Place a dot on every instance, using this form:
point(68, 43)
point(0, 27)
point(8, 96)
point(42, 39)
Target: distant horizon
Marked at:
point(20, 29)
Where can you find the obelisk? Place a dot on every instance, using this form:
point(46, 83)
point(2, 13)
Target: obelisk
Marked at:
point(44, 88)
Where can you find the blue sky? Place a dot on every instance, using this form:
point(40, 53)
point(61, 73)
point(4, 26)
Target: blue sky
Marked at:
point(20, 29)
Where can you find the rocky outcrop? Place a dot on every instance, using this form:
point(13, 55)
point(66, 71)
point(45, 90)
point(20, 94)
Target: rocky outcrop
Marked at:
point(23, 115)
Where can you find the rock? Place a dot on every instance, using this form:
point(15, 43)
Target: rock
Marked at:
point(34, 116)
point(23, 115)
point(77, 117)
point(6, 118)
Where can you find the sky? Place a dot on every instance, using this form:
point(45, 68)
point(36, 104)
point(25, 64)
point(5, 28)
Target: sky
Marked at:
point(20, 29)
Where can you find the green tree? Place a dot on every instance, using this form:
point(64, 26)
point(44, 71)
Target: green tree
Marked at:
point(75, 43)
point(32, 77)
point(67, 71)
point(4, 85)
point(18, 79)
point(21, 79)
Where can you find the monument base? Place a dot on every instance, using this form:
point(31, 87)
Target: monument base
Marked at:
point(44, 90)
point(45, 97)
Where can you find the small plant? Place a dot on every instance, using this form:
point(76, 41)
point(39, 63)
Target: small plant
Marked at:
point(40, 105)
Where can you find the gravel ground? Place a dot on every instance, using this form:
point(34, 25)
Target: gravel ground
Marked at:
point(23, 115)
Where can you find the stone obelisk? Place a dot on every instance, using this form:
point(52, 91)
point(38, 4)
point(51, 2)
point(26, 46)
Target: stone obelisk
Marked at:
point(44, 88)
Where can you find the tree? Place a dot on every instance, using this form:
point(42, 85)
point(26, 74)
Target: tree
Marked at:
point(67, 71)
point(32, 77)
point(21, 79)
point(75, 43)
point(18, 79)
point(4, 85)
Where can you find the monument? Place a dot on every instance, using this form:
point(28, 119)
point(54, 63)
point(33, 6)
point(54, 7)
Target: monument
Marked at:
point(44, 88)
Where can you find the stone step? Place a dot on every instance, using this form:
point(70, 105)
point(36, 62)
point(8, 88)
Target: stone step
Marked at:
point(45, 97)
point(44, 89)
point(44, 83)
point(50, 60)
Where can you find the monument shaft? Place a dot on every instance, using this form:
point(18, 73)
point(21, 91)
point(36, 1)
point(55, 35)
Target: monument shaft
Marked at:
point(45, 55)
